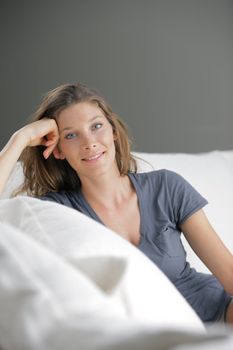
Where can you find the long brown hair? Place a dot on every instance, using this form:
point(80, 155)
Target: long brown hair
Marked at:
point(45, 175)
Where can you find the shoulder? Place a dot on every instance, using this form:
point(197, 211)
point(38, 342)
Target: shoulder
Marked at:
point(163, 180)
point(161, 176)
point(62, 197)
point(156, 181)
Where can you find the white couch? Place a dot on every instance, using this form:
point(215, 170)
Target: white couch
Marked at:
point(67, 282)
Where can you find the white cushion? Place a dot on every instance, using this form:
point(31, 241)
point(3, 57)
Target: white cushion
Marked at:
point(211, 174)
point(38, 290)
point(14, 181)
point(118, 270)
point(47, 304)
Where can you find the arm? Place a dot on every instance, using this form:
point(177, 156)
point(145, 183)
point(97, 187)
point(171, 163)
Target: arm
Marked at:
point(30, 135)
point(210, 249)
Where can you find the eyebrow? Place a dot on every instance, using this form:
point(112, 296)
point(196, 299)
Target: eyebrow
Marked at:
point(89, 121)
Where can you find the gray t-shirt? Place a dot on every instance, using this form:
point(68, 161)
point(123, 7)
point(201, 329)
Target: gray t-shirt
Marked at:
point(165, 200)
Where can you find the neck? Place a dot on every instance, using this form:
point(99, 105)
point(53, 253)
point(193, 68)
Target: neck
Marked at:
point(107, 190)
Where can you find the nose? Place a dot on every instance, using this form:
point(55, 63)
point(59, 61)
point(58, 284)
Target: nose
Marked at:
point(89, 142)
point(90, 146)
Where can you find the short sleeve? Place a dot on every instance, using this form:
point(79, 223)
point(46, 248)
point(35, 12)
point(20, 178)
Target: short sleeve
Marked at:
point(55, 197)
point(185, 200)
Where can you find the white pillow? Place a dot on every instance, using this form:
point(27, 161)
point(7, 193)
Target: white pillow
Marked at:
point(47, 304)
point(39, 290)
point(14, 181)
point(115, 266)
point(211, 173)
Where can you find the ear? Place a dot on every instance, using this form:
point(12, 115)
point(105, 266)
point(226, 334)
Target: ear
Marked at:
point(114, 135)
point(58, 154)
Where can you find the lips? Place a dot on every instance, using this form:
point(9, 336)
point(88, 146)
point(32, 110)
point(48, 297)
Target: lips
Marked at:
point(93, 157)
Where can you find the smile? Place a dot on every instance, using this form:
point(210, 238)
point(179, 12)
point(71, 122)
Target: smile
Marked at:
point(94, 157)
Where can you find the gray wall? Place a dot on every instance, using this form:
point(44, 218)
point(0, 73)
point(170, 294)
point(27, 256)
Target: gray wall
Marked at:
point(165, 66)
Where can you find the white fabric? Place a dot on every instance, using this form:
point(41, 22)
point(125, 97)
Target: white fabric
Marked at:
point(14, 181)
point(116, 267)
point(47, 304)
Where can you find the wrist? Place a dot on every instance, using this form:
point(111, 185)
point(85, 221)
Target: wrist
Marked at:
point(20, 139)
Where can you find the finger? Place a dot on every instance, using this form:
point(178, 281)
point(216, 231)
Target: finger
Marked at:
point(43, 142)
point(46, 154)
point(53, 140)
point(49, 143)
point(48, 151)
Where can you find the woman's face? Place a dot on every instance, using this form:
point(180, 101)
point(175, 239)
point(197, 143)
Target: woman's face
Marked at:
point(86, 139)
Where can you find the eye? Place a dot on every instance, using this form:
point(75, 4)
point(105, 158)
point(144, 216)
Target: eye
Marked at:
point(97, 126)
point(71, 135)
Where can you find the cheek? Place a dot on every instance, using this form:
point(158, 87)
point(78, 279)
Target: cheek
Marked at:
point(68, 144)
point(68, 148)
point(62, 147)
point(107, 136)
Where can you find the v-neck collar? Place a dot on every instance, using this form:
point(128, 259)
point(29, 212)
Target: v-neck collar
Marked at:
point(139, 194)
point(89, 209)
point(138, 191)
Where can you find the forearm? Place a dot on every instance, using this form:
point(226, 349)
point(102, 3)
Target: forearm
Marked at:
point(41, 132)
point(210, 248)
point(9, 156)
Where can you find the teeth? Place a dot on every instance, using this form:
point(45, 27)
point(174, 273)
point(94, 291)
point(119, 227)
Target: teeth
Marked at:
point(94, 157)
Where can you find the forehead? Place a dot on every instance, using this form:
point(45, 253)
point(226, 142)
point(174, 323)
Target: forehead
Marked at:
point(80, 112)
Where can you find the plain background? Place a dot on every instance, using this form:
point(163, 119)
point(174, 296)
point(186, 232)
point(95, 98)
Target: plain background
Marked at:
point(165, 66)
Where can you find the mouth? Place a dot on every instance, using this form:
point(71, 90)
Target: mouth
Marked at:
point(94, 157)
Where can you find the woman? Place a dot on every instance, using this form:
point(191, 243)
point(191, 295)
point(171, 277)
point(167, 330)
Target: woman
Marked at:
point(76, 152)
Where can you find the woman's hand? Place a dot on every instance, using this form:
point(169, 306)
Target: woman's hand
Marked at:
point(43, 132)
